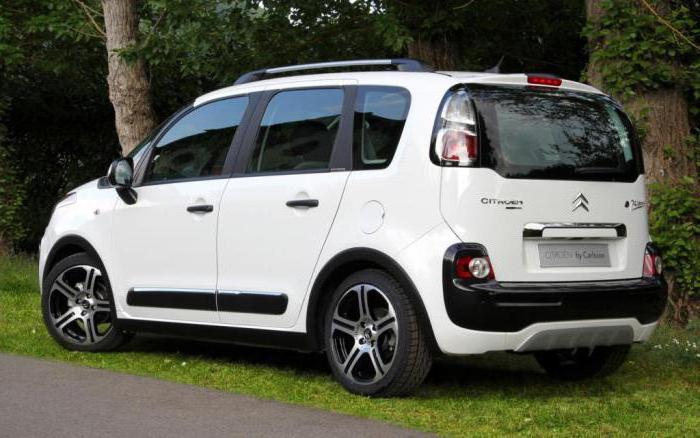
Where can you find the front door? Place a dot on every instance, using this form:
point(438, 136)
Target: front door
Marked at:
point(277, 211)
point(164, 245)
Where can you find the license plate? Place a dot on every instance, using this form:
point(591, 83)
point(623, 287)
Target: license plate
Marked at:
point(557, 255)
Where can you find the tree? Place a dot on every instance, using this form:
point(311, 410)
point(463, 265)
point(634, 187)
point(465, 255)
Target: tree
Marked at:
point(129, 87)
point(642, 61)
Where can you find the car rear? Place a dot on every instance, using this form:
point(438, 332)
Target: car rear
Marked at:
point(543, 183)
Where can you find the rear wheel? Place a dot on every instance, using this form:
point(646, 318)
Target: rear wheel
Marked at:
point(583, 363)
point(77, 306)
point(374, 341)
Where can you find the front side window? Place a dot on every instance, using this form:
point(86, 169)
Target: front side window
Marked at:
point(380, 115)
point(196, 145)
point(554, 134)
point(297, 131)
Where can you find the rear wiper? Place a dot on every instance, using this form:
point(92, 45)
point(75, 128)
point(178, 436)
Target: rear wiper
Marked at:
point(598, 170)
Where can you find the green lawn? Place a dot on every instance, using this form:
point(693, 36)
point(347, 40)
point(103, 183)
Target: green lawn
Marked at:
point(656, 393)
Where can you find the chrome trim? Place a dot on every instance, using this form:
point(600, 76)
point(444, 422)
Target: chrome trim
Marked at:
point(170, 289)
point(242, 292)
point(534, 230)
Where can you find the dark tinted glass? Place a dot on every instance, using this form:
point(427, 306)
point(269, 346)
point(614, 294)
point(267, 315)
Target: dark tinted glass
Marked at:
point(197, 144)
point(380, 114)
point(297, 131)
point(531, 133)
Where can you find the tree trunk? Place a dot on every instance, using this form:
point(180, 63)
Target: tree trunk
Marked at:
point(664, 114)
point(439, 54)
point(129, 88)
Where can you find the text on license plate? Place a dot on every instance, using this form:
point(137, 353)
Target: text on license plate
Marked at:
point(554, 255)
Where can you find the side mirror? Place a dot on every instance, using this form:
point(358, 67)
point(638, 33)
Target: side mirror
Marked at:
point(121, 176)
point(121, 172)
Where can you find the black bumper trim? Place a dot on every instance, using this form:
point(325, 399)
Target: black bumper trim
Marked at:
point(509, 307)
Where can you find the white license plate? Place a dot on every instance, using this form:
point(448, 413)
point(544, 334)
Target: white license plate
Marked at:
point(562, 255)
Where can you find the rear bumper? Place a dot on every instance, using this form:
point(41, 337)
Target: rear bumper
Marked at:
point(511, 307)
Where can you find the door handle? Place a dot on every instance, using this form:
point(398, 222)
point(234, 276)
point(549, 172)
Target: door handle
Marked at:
point(204, 208)
point(310, 203)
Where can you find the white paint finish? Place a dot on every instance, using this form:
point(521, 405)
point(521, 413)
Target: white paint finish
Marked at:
point(371, 217)
point(500, 230)
point(266, 246)
point(78, 219)
point(158, 243)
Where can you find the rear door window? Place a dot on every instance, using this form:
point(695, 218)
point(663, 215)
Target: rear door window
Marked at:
point(297, 131)
point(380, 115)
point(538, 134)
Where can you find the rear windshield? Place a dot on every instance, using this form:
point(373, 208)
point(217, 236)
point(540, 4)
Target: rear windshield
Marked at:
point(542, 134)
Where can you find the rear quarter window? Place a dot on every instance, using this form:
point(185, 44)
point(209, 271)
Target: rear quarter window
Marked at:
point(380, 116)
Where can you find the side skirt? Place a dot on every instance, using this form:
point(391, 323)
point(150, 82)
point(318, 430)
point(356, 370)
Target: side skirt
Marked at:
point(235, 335)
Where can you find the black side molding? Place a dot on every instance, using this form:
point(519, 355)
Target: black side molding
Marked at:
point(251, 302)
point(191, 299)
point(267, 303)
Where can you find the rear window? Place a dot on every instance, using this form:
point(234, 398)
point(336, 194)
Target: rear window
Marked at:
point(542, 134)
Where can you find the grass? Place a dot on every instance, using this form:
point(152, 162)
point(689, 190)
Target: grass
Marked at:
point(656, 393)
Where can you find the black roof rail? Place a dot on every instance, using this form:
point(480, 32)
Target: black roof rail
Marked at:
point(402, 64)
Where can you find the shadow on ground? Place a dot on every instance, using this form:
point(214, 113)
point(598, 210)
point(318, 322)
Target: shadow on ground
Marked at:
point(479, 374)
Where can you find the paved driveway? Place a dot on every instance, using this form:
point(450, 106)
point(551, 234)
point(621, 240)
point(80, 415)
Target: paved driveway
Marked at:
point(41, 398)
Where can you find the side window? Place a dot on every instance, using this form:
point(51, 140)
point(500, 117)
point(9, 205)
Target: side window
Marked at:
point(197, 144)
point(380, 114)
point(297, 131)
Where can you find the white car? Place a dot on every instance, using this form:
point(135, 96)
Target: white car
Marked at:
point(384, 217)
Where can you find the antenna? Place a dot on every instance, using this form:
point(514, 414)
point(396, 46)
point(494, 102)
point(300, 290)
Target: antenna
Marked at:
point(496, 68)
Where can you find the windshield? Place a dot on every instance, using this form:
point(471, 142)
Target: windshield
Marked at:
point(542, 134)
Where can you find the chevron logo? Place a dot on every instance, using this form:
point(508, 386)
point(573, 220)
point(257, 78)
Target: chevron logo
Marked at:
point(580, 201)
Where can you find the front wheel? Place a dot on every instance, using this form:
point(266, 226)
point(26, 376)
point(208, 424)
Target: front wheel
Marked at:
point(374, 341)
point(77, 306)
point(583, 363)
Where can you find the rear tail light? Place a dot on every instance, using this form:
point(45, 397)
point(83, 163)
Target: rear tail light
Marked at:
point(474, 268)
point(653, 265)
point(456, 139)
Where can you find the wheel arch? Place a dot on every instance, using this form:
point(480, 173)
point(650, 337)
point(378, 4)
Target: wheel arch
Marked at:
point(340, 267)
point(67, 246)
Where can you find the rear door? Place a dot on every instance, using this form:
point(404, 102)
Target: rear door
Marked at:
point(279, 206)
point(558, 194)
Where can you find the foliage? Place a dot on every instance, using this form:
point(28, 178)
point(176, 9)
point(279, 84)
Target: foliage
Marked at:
point(654, 393)
point(674, 222)
point(530, 36)
point(11, 191)
point(635, 51)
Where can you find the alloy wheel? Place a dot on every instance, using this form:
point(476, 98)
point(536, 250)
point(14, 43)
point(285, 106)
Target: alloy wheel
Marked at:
point(364, 334)
point(78, 305)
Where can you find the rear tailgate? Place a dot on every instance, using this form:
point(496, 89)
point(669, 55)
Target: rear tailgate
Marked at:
point(515, 219)
point(558, 193)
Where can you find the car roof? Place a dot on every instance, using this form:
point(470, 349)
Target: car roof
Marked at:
point(441, 80)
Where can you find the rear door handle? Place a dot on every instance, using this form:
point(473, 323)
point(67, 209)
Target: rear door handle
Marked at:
point(310, 203)
point(204, 208)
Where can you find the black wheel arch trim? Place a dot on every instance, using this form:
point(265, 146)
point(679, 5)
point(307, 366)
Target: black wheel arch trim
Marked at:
point(71, 240)
point(57, 253)
point(361, 258)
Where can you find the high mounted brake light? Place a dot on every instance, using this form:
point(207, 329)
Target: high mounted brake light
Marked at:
point(456, 139)
point(548, 81)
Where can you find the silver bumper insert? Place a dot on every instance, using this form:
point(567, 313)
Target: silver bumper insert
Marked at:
point(580, 337)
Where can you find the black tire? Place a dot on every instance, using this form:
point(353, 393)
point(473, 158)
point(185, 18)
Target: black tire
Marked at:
point(403, 364)
point(583, 363)
point(87, 324)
